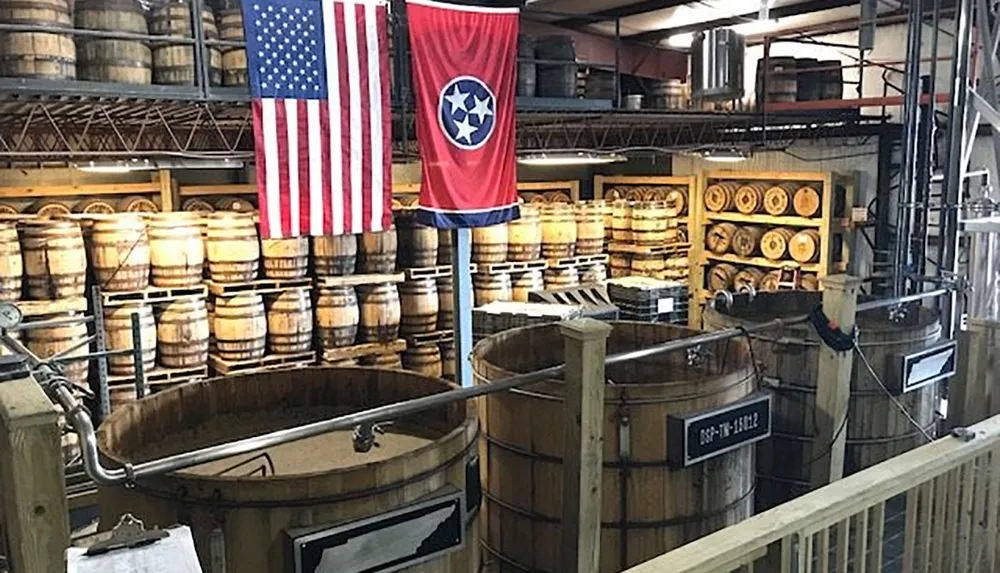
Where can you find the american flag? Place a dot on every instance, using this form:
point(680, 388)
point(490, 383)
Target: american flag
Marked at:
point(319, 81)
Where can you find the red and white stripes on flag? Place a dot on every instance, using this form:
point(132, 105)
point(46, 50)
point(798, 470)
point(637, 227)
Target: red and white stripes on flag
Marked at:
point(322, 132)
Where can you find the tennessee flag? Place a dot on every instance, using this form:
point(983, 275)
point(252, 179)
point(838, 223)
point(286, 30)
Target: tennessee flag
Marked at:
point(464, 76)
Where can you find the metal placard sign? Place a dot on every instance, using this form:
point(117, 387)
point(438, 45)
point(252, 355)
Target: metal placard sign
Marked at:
point(391, 541)
point(925, 367)
point(696, 437)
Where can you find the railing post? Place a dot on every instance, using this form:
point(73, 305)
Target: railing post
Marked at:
point(583, 430)
point(34, 514)
point(833, 382)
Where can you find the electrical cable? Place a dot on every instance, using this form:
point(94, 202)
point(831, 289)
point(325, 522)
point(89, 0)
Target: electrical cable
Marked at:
point(895, 401)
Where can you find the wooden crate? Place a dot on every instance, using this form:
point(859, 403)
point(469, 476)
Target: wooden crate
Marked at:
point(832, 228)
point(366, 349)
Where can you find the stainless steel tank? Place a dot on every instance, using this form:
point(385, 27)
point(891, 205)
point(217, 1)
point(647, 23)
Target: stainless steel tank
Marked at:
point(717, 65)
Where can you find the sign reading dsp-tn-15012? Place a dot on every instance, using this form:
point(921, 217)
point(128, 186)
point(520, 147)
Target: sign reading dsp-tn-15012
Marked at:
point(695, 437)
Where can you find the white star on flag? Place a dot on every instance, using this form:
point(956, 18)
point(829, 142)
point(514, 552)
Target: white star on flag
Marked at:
point(464, 130)
point(481, 109)
point(457, 100)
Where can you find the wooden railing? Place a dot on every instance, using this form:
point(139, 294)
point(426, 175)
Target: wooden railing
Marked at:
point(933, 509)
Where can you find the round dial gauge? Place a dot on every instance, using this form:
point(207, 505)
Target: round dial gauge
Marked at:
point(10, 315)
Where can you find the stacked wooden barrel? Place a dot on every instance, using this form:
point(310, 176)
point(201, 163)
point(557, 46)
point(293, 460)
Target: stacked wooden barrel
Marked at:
point(118, 324)
point(289, 322)
point(120, 252)
point(380, 312)
point(47, 55)
point(589, 228)
point(232, 247)
point(285, 258)
point(173, 64)
point(489, 244)
point(234, 60)
point(55, 262)
point(182, 333)
point(559, 231)
point(418, 244)
point(377, 252)
point(337, 317)
point(240, 327)
point(112, 60)
point(334, 255)
point(524, 236)
point(176, 248)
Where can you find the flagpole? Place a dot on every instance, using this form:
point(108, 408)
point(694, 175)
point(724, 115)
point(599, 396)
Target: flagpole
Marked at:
point(461, 263)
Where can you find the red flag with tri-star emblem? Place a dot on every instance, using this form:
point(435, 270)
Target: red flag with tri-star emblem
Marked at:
point(464, 75)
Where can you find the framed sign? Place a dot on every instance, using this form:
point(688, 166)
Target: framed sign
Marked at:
point(696, 437)
point(924, 367)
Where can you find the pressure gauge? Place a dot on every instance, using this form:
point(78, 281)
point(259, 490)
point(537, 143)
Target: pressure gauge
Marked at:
point(10, 315)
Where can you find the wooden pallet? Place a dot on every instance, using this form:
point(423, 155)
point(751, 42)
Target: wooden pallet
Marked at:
point(44, 307)
point(426, 338)
point(162, 376)
point(418, 273)
point(367, 349)
point(356, 280)
point(572, 262)
point(152, 295)
point(270, 362)
point(672, 249)
point(510, 267)
point(260, 286)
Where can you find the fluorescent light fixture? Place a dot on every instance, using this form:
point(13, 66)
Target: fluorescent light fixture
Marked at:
point(571, 158)
point(755, 27)
point(137, 164)
point(681, 40)
point(725, 155)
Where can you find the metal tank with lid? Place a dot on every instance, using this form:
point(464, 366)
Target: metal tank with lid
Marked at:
point(717, 64)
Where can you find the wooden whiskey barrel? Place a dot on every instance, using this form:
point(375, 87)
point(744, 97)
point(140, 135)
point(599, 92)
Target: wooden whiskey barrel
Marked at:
point(447, 360)
point(120, 252)
point(778, 199)
point(719, 238)
point(676, 199)
point(428, 452)
point(647, 264)
point(621, 264)
point(748, 277)
point(59, 339)
point(749, 198)
point(197, 205)
point(876, 428)
point(721, 276)
point(774, 243)
point(489, 288)
point(51, 209)
point(771, 281)
point(609, 221)
point(526, 282)
point(176, 249)
point(558, 231)
point(593, 274)
point(446, 303)
point(377, 252)
point(649, 223)
point(418, 244)
point(289, 322)
point(37, 54)
point(444, 247)
point(240, 327)
point(489, 244)
point(424, 360)
point(118, 325)
point(561, 277)
point(234, 61)
point(639, 520)
point(721, 196)
point(238, 204)
point(418, 300)
point(95, 206)
point(285, 258)
point(807, 201)
point(804, 246)
point(55, 262)
point(809, 281)
point(589, 228)
point(380, 312)
point(621, 221)
point(780, 82)
point(337, 317)
point(232, 247)
point(334, 255)
point(390, 361)
point(524, 236)
point(182, 333)
point(138, 204)
point(11, 263)
point(746, 240)
point(174, 64)
point(107, 60)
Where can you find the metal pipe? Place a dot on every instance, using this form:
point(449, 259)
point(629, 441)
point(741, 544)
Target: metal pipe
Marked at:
point(104, 34)
point(939, 177)
point(104, 476)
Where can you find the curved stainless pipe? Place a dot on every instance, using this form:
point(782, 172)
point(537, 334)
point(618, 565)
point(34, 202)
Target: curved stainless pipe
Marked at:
point(101, 475)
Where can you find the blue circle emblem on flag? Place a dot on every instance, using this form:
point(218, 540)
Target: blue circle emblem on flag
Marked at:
point(466, 112)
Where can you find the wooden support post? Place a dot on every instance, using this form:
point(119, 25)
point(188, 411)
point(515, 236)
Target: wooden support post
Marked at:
point(972, 394)
point(583, 428)
point(166, 190)
point(833, 381)
point(32, 482)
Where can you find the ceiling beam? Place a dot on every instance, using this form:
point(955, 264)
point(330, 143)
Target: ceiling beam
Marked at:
point(620, 12)
point(655, 36)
